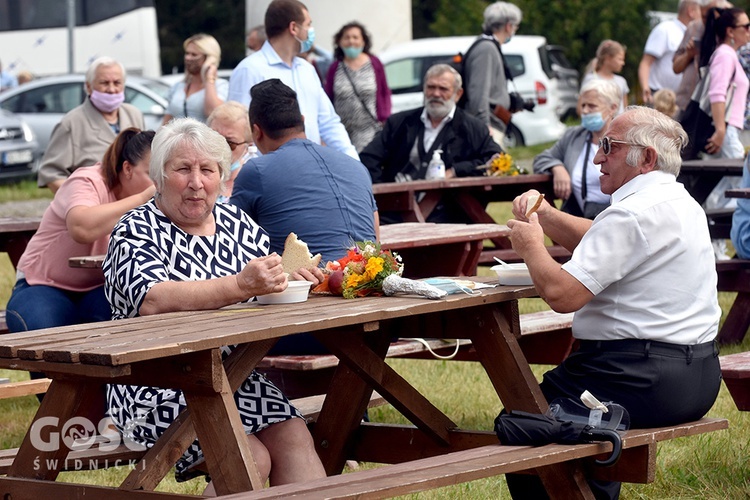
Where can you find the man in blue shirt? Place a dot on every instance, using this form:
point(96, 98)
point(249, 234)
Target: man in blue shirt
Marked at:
point(290, 32)
point(322, 195)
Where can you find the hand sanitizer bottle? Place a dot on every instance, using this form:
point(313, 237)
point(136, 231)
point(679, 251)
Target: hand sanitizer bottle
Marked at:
point(436, 168)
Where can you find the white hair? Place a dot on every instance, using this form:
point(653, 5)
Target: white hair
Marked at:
point(651, 128)
point(182, 132)
point(498, 14)
point(101, 61)
point(607, 90)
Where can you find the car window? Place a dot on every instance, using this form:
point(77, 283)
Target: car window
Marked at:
point(557, 56)
point(12, 103)
point(515, 64)
point(140, 100)
point(59, 98)
point(405, 76)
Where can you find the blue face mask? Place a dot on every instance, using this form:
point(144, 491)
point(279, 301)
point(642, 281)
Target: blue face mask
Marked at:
point(306, 45)
point(593, 122)
point(449, 286)
point(352, 52)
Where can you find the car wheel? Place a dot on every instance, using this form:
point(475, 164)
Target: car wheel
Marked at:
point(513, 137)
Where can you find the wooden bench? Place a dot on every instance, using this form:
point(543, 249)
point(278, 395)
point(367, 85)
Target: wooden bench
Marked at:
point(546, 338)
point(735, 369)
point(734, 276)
point(23, 388)
point(637, 464)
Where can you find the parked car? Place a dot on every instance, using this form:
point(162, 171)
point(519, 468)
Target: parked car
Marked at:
point(540, 72)
point(17, 148)
point(42, 103)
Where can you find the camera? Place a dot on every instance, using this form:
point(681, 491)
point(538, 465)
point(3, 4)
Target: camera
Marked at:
point(518, 103)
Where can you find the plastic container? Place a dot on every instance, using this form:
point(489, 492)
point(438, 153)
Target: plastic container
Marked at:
point(436, 168)
point(296, 292)
point(513, 274)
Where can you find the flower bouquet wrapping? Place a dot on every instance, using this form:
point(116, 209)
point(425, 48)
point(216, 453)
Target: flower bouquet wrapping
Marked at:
point(502, 164)
point(367, 269)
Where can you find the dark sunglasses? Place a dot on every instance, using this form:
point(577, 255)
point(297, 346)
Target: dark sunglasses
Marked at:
point(746, 26)
point(234, 145)
point(605, 144)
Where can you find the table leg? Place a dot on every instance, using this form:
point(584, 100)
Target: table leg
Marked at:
point(222, 437)
point(41, 454)
point(737, 321)
point(493, 331)
point(160, 458)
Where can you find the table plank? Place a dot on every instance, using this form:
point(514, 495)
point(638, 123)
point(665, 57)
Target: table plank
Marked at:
point(700, 177)
point(15, 234)
point(737, 193)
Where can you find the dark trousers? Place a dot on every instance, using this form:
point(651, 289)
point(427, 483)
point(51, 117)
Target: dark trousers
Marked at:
point(659, 384)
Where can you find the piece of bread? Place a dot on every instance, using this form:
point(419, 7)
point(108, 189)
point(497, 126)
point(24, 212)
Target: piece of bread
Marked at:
point(533, 204)
point(297, 256)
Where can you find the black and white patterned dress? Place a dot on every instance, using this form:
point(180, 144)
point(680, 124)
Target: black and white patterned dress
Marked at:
point(147, 248)
point(360, 122)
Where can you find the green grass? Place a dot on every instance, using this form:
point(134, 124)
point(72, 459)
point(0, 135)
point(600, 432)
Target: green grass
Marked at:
point(23, 190)
point(712, 467)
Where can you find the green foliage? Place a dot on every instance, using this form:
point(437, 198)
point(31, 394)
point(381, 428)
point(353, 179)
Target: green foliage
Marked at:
point(23, 190)
point(459, 18)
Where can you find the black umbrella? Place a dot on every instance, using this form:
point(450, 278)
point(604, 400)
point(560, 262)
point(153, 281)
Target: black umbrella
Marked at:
point(520, 428)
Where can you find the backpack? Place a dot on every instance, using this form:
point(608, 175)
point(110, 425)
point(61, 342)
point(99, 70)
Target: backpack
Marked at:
point(458, 63)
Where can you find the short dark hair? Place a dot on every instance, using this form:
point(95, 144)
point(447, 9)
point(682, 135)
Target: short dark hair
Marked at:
point(274, 109)
point(282, 12)
point(338, 53)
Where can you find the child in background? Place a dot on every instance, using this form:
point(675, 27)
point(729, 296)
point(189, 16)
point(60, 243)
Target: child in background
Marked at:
point(665, 101)
point(609, 60)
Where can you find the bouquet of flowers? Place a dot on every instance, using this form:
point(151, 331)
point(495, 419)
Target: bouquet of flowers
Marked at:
point(502, 164)
point(361, 271)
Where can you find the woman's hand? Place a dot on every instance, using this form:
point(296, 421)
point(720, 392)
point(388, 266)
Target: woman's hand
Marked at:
point(315, 276)
point(713, 146)
point(148, 193)
point(262, 276)
point(561, 182)
point(209, 73)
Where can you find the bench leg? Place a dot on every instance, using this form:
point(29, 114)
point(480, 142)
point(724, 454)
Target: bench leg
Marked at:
point(737, 322)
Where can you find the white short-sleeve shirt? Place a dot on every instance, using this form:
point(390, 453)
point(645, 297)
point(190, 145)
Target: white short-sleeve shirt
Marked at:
point(649, 262)
point(662, 43)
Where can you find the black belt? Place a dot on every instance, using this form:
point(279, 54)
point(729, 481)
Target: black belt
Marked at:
point(647, 347)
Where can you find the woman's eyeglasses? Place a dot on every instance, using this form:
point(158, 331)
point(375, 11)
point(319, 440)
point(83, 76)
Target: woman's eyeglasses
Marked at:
point(746, 26)
point(234, 145)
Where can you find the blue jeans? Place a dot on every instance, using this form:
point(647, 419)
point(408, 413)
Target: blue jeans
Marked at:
point(33, 307)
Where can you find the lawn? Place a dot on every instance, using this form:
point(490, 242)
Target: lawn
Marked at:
point(712, 466)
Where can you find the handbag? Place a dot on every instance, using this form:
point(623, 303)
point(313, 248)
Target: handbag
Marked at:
point(697, 119)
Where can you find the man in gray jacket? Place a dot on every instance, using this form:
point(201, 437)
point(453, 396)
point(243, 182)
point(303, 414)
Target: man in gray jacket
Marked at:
point(486, 82)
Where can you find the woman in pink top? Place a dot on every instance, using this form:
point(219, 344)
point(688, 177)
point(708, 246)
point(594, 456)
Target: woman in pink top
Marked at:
point(78, 222)
point(726, 31)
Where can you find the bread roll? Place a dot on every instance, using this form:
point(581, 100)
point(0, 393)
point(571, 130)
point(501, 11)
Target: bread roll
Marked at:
point(297, 256)
point(533, 204)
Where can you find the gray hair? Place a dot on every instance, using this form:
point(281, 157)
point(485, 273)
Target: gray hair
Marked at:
point(232, 111)
point(101, 61)
point(439, 69)
point(499, 14)
point(181, 132)
point(651, 128)
point(608, 91)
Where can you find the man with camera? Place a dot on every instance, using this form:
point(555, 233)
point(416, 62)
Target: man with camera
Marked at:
point(486, 74)
point(402, 150)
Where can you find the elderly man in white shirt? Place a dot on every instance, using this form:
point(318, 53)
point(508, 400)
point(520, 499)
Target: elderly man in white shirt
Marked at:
point(278, 58)
point(641, 280)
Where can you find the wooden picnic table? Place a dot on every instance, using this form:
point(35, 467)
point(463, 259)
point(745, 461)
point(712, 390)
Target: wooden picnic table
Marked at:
point(181, 350)
point(700, 177)
point(737, 193)
point(427, 249)
point(15, 234)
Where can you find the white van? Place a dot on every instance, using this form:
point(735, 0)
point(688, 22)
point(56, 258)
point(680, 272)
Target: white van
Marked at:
point(540, 72)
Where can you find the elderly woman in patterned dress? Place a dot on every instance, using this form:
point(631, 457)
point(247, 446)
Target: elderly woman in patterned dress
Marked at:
point(183, 251)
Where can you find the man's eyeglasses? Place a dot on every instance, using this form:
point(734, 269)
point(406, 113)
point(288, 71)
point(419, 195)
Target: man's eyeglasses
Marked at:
point(605, 144)
point(234, 145)
point(746, 26)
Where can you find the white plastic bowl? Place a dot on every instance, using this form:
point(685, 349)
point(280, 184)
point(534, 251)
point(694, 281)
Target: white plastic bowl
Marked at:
point(296, 292)
point(517, 274)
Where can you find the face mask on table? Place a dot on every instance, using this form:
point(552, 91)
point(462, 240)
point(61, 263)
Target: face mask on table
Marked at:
point(106, 102)
point(593, 122)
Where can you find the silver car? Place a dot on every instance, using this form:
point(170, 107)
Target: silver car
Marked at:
point(17, 148)
point(42, 103)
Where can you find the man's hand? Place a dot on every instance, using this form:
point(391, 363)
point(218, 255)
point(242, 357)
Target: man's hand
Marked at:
point(521, 205)
point(526, 235)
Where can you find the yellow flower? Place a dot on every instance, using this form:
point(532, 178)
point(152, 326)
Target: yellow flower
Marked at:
point(353, 280)
point(373, 267)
